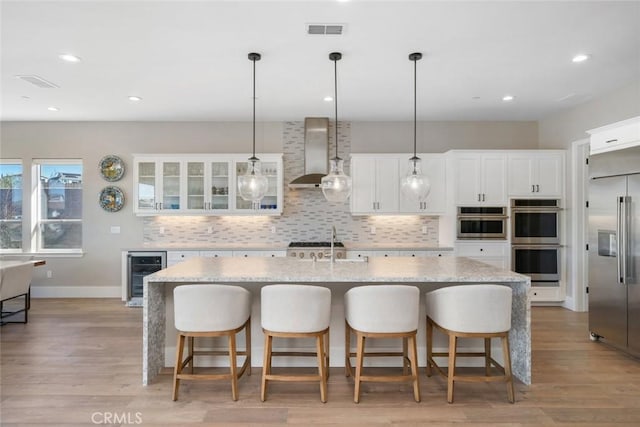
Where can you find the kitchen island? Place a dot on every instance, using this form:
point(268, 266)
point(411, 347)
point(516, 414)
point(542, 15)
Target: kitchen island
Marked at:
point(253, 273)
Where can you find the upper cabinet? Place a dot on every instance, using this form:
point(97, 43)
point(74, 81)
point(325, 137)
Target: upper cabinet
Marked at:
point(536, 173)
point(375, 182)
point(201, 184)
point(481, 178)
point(615, 136)
point(433, 166)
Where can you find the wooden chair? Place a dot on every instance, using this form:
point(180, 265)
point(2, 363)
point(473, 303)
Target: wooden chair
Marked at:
point(382, 311)
point(208, 310)
point(470, 311)
point(15, 282)
point(296, 311)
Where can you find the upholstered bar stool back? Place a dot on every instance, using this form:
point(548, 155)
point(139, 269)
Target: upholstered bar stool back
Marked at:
point(470, 311)
point(382, 311)
point(209, 310)
point(296, 311)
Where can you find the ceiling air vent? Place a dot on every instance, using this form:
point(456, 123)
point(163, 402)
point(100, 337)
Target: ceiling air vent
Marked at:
point(326, 29)
point(38, 81)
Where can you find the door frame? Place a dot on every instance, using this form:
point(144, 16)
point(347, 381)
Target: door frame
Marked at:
point(578, 262)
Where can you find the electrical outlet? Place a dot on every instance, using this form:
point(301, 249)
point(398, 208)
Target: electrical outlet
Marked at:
point(425, 230)
point(49, 274)
point(115, 229)
point(210, 230)
point(273, 229)
point(373, 229)
point(161, 230)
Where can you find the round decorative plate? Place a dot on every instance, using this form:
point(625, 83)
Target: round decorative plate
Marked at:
point(111, 168)
point(111, 199)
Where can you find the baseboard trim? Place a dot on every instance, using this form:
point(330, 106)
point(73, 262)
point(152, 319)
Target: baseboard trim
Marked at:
point(76, 292)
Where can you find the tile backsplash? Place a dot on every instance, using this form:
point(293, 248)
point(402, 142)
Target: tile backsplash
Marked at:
point(307, 216)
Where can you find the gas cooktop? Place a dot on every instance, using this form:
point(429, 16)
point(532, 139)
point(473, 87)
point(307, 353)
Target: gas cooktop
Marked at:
point(315, 244)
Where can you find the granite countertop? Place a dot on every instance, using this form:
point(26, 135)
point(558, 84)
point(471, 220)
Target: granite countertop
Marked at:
point(283, 246)
point(378, 269)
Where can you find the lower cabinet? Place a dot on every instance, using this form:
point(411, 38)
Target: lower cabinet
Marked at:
point(490, 252)
point(355, 254)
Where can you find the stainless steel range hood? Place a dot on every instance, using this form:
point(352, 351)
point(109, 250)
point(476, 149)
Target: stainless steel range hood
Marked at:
point(316, 153)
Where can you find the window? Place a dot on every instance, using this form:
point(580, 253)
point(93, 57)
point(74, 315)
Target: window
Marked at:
point(10, 205)
point(58, 205)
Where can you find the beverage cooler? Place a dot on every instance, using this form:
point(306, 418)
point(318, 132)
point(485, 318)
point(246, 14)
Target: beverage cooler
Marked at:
point(139, 265)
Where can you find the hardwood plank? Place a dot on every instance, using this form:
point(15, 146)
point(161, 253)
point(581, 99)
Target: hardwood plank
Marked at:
point(77, 357)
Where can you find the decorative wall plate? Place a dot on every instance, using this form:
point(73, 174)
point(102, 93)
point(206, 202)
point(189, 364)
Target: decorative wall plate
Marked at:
point(111, 168)
point(111, 199)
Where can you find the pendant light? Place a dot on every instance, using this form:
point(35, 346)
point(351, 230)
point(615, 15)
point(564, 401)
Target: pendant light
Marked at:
point(252, 186)
point(336, 186)
point(414, 185)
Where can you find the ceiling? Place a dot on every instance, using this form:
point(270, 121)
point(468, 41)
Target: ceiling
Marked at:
point(188, 60)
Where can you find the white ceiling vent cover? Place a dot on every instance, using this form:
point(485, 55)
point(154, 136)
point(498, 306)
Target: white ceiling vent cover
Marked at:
point(38, 81)
point(326, 29)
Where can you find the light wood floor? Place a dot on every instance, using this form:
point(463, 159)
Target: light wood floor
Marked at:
point(81, 359)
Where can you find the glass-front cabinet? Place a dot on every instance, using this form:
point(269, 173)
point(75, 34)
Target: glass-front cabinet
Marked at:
point(204, 184)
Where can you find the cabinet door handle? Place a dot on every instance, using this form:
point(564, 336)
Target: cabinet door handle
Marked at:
point(611, 140)
point(537, 188)
point(483, 197)
point(478, 196)
point(533, 188)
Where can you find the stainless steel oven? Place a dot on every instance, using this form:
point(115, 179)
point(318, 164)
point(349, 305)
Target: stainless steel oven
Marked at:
point(540, 262)
point(480, 222)
point(535, 222)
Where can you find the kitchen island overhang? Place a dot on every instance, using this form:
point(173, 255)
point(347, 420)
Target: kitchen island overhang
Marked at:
point(253, 273)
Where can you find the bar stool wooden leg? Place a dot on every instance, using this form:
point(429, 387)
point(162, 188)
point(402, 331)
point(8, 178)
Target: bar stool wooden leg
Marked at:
point(233, 367)
point(190, 340)
point(413, 361)
point(453, 344)
point(359, 362)
point(247, 343)
point(429, 346)
point(178, 367)
point(487, 356)
point(327, 354)
point(347, 350)
point(405, 361)
point(507, 367)
point(266, 366)
point(321, 368)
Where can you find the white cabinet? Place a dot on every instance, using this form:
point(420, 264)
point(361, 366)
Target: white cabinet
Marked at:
point(425, 253)
point(252, 253)
point(175, 257)
point(615, 136)
point(493, 253)
point(433, 166)
point(205, 184)
point(536, 173)
point(376, 184)
point(481, 178)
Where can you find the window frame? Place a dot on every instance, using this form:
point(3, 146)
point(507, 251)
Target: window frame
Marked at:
point(20, 250)
point(36, 206)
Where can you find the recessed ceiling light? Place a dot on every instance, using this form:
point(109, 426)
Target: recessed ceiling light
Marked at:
point(135, 98)
point(69, 58)
point(328, 98)
point(508, 98)
point(26, 97)
point(53, 109)
point(475, 98)
point(581, 57)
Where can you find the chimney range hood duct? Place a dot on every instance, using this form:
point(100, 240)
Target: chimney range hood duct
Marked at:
point(316, 153)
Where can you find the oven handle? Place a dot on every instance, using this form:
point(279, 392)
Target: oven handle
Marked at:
point(537, 246)
point(485, 217)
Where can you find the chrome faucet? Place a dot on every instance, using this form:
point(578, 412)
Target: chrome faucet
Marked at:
point(333, 241)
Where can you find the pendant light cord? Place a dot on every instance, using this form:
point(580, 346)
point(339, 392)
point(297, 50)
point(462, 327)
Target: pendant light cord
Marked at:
point(335, 99)
point(254, 109)
point(415, 105)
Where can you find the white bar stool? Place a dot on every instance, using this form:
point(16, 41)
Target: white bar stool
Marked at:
point(208, 310)
point(296, 311)
point(470, 311)
point(382, 311)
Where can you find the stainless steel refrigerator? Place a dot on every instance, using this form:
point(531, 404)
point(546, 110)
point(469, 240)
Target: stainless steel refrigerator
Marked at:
point(614, 248)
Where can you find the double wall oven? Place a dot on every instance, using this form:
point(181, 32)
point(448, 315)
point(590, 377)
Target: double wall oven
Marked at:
point(535, 240)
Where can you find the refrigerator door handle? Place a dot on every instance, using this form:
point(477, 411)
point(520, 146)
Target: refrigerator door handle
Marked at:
point(626, 204)
point(619, 250)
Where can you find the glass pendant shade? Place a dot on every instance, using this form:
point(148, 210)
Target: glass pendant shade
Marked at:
point(252, 186)
point(336, 186)
point(414, 185)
